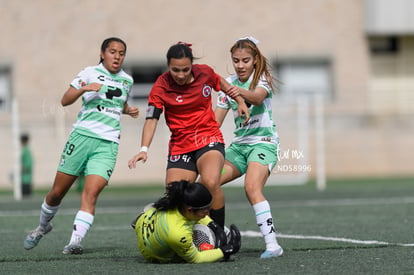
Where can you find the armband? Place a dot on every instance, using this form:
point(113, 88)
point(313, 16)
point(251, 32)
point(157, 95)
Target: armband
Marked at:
point(153, 112)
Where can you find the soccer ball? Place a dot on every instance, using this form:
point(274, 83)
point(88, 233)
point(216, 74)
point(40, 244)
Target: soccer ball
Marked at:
point(203, 237)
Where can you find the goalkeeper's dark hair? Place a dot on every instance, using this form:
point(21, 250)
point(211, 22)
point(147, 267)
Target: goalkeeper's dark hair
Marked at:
point(183, 193)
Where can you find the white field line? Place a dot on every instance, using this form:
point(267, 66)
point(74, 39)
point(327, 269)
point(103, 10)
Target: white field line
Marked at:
point(322, 238)
point(239, 205)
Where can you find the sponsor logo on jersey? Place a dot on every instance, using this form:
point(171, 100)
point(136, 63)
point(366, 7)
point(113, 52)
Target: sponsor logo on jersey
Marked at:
point(110, 79)
point(179, 98)
point(206, 91)
point(107, 110)
point(100, 108)
point(109, 172)
point(267, 139)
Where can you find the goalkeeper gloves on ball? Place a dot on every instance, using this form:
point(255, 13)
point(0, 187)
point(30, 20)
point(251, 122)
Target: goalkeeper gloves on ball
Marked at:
point(234, 244)
point(219, 233)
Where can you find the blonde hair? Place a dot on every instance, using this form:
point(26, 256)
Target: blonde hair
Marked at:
point(261, 67)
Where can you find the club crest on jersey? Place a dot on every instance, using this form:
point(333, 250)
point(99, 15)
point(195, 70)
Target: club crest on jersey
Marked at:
point(206, 91)
point(125, 85)
point(175, 158)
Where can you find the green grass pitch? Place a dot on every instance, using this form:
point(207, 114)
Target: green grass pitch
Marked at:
point(353, 227)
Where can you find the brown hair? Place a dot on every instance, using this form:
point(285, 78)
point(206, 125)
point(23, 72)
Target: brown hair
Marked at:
point(261, 67)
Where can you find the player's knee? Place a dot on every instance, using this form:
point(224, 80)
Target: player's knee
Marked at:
point(252, 191)
point(211, 184)
point(53, 199)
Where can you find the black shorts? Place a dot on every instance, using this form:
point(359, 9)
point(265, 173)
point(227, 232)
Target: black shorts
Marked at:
point(188, 161)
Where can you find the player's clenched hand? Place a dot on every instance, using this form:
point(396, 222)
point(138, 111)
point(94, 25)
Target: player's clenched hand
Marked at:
point(133, 112)
point(132, 163)
point(221, 238)
point(234, 244)
point(243, 110)
point(92, 87)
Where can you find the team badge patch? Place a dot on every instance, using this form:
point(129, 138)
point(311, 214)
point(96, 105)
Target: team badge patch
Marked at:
point(125, 85)
point(222, 98)
point(81, 83)
point(175, 158)
point(150, 111)
point(206, 91)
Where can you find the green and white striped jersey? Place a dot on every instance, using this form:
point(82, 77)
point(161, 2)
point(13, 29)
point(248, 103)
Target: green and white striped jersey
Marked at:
point(260, 128)
point(100, 115)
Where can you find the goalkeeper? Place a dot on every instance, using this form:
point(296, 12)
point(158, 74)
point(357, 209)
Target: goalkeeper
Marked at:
point(165, 230)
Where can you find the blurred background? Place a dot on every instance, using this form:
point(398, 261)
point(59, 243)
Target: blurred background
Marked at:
point(345, 101)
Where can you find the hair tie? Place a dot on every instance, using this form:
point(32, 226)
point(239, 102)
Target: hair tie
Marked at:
point(186, 44)
point(250, 38)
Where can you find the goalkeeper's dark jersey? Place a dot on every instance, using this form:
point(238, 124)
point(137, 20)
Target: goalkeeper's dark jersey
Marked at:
point(166, 236)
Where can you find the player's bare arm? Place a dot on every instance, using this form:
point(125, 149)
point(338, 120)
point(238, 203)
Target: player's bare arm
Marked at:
point(72, 94)
point(254, 97)
point(242, 107)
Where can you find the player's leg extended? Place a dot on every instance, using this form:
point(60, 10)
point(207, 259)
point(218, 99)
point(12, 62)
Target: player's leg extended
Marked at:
point(210, 166)
point(256, 177)
point(83, 221)
point(98, 170)
point(49, 208)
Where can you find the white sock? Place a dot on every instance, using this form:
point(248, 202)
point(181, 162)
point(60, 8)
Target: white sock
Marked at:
point(265, 222)
point(47, 213)
point(83, 221)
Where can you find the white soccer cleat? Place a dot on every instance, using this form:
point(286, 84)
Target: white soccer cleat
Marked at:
point(272, 254)
point(74, 248)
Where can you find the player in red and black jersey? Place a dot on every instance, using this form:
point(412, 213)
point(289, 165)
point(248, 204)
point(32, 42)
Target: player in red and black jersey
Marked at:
point(196, 145)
